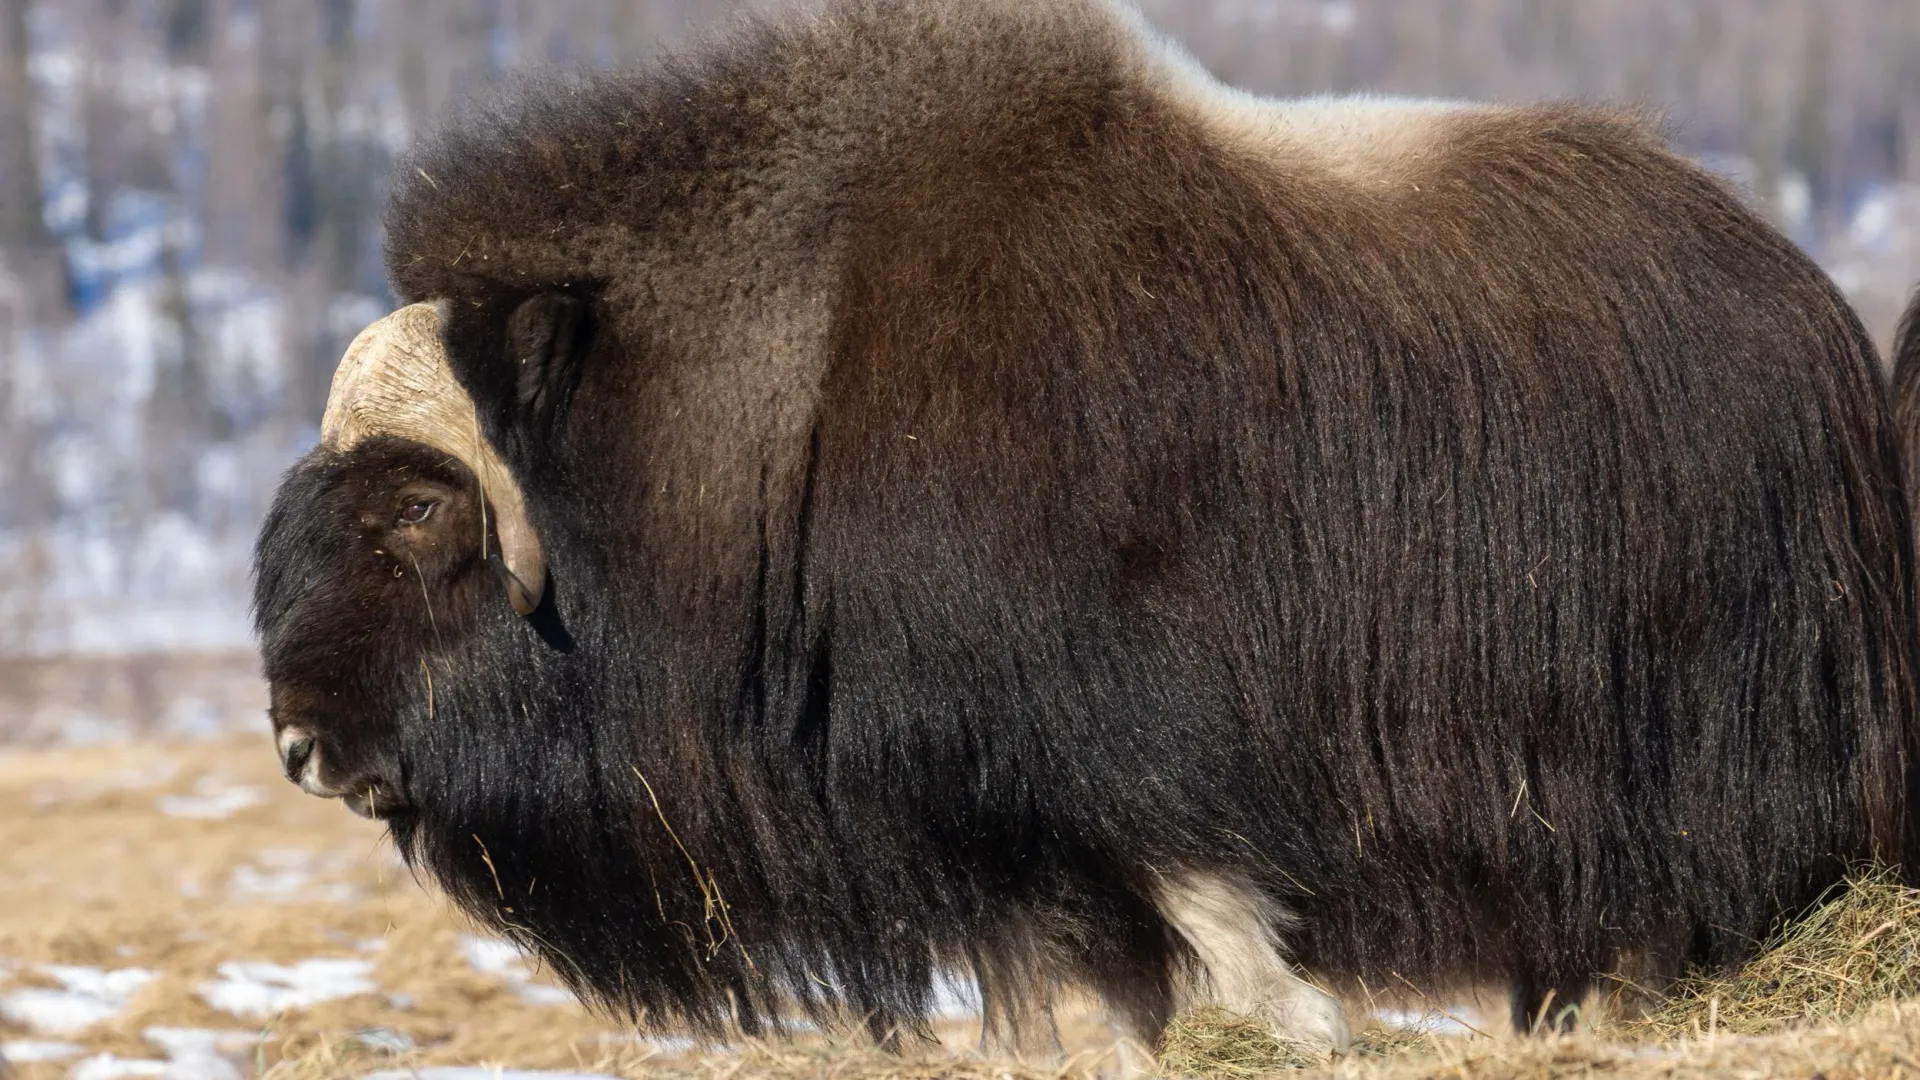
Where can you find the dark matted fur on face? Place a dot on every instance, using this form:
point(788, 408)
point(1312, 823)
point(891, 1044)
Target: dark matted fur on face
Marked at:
point(1015, 507)
point(364, 560)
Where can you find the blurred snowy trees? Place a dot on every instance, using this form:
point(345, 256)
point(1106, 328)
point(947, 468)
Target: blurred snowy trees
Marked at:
point(190, 195)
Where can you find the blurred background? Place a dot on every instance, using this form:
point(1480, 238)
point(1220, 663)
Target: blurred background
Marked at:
point(189, 235)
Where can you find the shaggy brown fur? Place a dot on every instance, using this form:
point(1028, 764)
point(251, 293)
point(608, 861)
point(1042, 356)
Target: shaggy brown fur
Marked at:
point(1906, 388)
point(1004, 473)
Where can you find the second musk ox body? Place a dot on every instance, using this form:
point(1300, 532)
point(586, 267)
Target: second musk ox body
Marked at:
point(989, 498)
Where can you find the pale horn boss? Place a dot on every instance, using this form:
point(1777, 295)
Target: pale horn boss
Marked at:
point(394, 380)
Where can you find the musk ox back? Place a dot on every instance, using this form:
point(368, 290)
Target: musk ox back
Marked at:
point(988, 497)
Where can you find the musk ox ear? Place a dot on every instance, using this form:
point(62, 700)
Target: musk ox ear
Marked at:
point(546, 336)
point(396, 379)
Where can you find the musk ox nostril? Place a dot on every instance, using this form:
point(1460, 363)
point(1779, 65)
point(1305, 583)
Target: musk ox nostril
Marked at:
point(299, 751)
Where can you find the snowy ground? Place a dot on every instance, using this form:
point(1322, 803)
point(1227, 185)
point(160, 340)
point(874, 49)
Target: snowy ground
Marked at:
point(176, 909)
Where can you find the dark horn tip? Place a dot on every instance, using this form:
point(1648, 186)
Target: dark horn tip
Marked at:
point(525, 600)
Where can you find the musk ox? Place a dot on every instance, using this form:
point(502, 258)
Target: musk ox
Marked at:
point(927, 486)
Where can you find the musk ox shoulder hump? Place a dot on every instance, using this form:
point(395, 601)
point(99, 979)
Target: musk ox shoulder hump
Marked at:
point(1359, 138)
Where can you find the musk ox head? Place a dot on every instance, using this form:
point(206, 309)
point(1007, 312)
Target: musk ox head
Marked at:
point(389, 542)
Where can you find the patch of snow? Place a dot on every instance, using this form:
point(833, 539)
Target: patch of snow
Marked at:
point(212, 800)
point(287, 885)
point(23, 1051)
point(87, 997)
point(384, 1040)
point(504, 961)
point(179, 1042)
point(543, 994)
point(670, 1045)
point(254, 883)
point(1448, 1023)
point(955, 997)
point(111, 1066)
point(249, 988)
point(202, 1054)
point(283, 874)
point(192, 1054)
point(492, 956)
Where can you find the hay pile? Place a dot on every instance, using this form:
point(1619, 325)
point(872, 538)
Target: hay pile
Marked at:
point(1215, 1042)
point(1856, 949)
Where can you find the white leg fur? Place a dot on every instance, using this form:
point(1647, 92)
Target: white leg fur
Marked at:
point(1133, 1059)
point(1233, 931)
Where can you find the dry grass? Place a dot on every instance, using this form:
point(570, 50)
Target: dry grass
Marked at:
point(1856, 949)
point(1878, 1046)
point(92, 873)
point(753, 1062)
point(1217, 1042)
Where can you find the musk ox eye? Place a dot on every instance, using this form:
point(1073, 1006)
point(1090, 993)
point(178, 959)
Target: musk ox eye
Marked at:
point(417, 512)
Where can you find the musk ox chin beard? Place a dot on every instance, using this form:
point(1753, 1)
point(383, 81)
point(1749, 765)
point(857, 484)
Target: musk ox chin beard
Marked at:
point(661, 880)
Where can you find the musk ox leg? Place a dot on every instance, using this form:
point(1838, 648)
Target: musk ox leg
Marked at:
point(1032, 1038)
point(1234, 932)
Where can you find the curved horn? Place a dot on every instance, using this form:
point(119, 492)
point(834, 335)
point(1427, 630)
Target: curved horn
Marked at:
point(395, 380)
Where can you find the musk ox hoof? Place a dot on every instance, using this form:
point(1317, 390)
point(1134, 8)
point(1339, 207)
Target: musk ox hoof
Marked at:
point(1234, 932)
point(1305, 1013)
point(1132, 1059)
